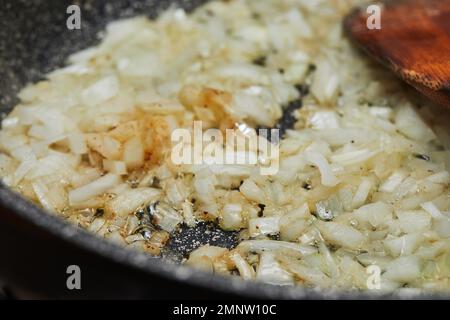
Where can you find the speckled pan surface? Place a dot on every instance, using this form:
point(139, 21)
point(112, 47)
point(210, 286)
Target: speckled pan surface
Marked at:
point(34, 40)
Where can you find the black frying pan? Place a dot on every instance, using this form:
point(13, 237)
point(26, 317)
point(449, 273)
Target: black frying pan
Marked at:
point(36, 248)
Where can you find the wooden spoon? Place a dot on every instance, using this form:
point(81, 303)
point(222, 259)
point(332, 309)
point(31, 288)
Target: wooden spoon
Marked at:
point(414, 41)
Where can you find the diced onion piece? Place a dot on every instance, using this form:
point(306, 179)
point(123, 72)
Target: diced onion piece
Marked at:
point(231, 216)
point(440, 177)
point(202, 263)
point(269, 271)
point(411, 125)
point(342, 235)
point(253, 108)
point(312, 276)
point(204, 185)
point(431, 208)
point(381, 112)
point(107, 146)
point(22, 170)
point(330, 262)
point(245, 270)
point(442, 227)
point(24, 153)
point(328, 177)
point(203, 257)
point(377, 214)
point(116, 238)
point(367, 259)
point(165, 216)
point(263, 226)
point(293, 224)
point(403, 246)
point(251, 191)
point(354, 272)
point(77, 143)
point(403, 269)
point(353, 157)
point(130, 200)
point(188, 214)
point(9, 122)
point(362, 193)
point(94, 188)
point(41, 192)
point(413, 221)
point(273, 245)
point(325, 85)
point(243, 71)
point(116, 167)
point(208, 251)
point(325, 120)
point(393, 181)
point(101, 91)
point(177, 192)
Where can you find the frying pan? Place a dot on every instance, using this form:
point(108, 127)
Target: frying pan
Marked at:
point(35, 247)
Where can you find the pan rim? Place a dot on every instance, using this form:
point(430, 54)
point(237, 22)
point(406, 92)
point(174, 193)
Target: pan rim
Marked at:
point(88, 241)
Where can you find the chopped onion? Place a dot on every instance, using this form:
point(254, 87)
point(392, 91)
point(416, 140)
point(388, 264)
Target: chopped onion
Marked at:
point(440, 177)
point(326, 83)
point(353, 157)
point(442, 227)
point(431, 208)
point(133, 153)
point(41, 192)
point(328, 177)
point(413, 221)
point(392, 183)
point(231, 216)
point(403, 269)
point(117, 167)
point(312, 276)
point(94, 188)
point(403, 246)
point(412, 126)
point(341, 234)
point(101, 91)
point(263, 226)
point(294, 223)
point(188, 214)
point(77, 143)
point(251, 191)
point(269, 271)
point(128, 201)
point(376, 214)
point(245, 270)
point(325, 120)
point(165, 216)
point(362, 193)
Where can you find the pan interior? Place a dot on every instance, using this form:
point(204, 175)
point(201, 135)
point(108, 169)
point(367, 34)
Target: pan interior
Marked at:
point(30, 48)
point(321, 211)
point(34, 40)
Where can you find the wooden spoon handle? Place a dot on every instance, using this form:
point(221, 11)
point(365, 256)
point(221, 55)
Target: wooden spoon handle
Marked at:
point(414, 41)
